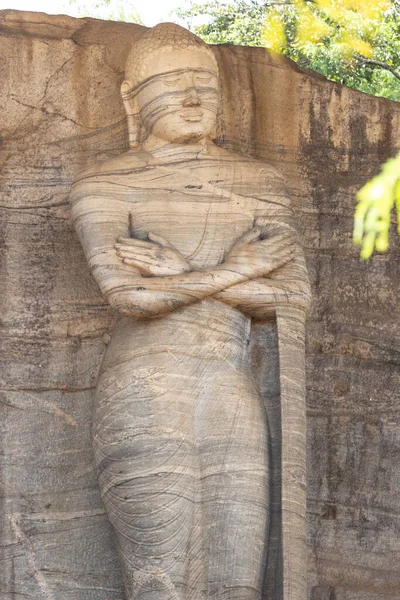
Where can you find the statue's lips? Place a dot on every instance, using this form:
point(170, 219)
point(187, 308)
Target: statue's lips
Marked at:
point(192, 114)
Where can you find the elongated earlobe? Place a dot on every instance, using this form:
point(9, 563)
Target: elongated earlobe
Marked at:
point(132, 113)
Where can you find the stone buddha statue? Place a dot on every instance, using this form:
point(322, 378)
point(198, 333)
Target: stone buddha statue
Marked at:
point(189, 243)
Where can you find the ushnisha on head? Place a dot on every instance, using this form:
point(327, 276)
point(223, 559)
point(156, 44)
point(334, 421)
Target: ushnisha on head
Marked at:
point(171, 87)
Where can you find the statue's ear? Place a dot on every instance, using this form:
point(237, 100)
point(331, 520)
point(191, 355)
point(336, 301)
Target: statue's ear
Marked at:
point(132, 113)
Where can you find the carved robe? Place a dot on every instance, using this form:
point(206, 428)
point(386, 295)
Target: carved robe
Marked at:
point(180, 431)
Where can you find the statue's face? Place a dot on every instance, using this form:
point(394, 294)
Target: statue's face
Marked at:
point(179, 96)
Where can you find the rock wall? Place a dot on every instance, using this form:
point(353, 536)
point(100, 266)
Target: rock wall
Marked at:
point(61, 110)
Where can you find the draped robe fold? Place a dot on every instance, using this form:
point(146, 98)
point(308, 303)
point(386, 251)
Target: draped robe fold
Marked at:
point(180, 430)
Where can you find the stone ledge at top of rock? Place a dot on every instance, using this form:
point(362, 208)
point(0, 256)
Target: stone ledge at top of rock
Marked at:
point(117, 37)
point(87, 30)
point(43, 25)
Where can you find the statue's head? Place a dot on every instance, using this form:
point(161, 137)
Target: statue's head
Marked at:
point(171, 86)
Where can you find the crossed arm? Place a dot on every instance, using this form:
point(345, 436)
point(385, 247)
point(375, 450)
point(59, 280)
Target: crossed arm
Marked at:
point(148, 278)
point(240, 281)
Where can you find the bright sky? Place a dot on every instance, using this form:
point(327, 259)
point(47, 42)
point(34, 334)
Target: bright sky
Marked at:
point(151, 11)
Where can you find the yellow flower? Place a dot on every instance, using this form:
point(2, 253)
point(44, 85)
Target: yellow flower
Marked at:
point(332, 10)
point(338, 10)
point(311, 28)
point(371, 9)
point(360, 46)
point(273, 33)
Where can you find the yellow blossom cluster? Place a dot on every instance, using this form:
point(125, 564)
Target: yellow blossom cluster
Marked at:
point(352, 18)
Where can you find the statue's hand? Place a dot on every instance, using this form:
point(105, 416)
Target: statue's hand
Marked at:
point(157, 257)
point(254, 257)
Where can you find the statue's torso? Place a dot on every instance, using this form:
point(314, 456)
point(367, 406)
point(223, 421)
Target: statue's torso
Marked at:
point(200, 205)
point(201, 219)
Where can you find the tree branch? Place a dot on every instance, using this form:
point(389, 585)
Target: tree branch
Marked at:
point(380, 64)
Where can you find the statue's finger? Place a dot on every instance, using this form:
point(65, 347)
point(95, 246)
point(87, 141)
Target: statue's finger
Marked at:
point(286, 240)
point(271, 226)
point(265, 224)
point(125, 240)
point(249, 237)
point(151, 248)
point(281, 259)
point(142, 266)
point(132, 242)
point(289, 251)
point(278, 239)
point(281, 253)
point(159, 239)
point(139, 253)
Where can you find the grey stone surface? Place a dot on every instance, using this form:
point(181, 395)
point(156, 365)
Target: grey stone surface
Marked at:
point(61, 111)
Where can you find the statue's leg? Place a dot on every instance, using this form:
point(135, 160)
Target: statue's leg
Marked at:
point(148, 473)
point(233, 439)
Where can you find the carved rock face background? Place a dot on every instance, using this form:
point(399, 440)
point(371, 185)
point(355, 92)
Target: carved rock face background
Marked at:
point(61, 98)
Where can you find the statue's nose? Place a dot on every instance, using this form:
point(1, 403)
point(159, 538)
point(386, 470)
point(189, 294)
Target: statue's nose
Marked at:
point(191, 97)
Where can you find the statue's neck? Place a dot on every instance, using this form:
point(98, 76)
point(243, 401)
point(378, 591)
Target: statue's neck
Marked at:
point(170, 151)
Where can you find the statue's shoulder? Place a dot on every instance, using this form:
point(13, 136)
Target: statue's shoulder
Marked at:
point(111, 169)
point(260, 179)
point(246, 165)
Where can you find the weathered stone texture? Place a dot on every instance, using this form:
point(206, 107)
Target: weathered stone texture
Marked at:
point(61, 111)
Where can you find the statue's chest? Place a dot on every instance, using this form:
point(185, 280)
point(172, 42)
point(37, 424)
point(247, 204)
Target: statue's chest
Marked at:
point(202, 222)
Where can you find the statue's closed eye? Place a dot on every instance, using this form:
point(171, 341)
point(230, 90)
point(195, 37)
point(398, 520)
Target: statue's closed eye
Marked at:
point(203, 78)
point(170, 81)
point(176, 79)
